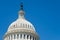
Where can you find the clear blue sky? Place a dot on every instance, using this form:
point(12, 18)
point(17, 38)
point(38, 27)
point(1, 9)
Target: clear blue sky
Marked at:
point(43, 14)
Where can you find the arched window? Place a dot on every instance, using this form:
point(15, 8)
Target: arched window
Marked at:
point(23, 25)
point(30, 26)
point(26, 25)
point(13, 25)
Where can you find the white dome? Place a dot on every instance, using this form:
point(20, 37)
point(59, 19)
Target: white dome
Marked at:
point(21, 24)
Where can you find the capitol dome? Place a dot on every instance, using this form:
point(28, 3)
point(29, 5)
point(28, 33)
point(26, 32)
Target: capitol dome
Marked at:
point(21, 29)
point(21, 24)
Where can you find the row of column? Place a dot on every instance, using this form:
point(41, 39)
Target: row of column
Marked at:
point(21, 37)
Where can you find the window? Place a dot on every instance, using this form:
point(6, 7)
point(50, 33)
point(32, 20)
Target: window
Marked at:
point(13, 25)
point(30, 26)
point(26, 25)
point(23, 25)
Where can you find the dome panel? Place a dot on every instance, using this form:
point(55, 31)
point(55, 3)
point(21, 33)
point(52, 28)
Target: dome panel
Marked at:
point(21, 23)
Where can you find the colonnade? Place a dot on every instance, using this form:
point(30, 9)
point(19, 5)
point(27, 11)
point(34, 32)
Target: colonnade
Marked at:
point(20, 37)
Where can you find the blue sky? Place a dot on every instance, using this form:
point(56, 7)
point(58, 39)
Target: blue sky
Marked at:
point(43, 14)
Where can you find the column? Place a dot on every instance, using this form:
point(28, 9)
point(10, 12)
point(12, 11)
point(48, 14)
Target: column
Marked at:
point(25, 36)
point(22, 36)
point(7, 38)
point(19, 36)
point(29, 37)
point(12, 36)
point(16, 36)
